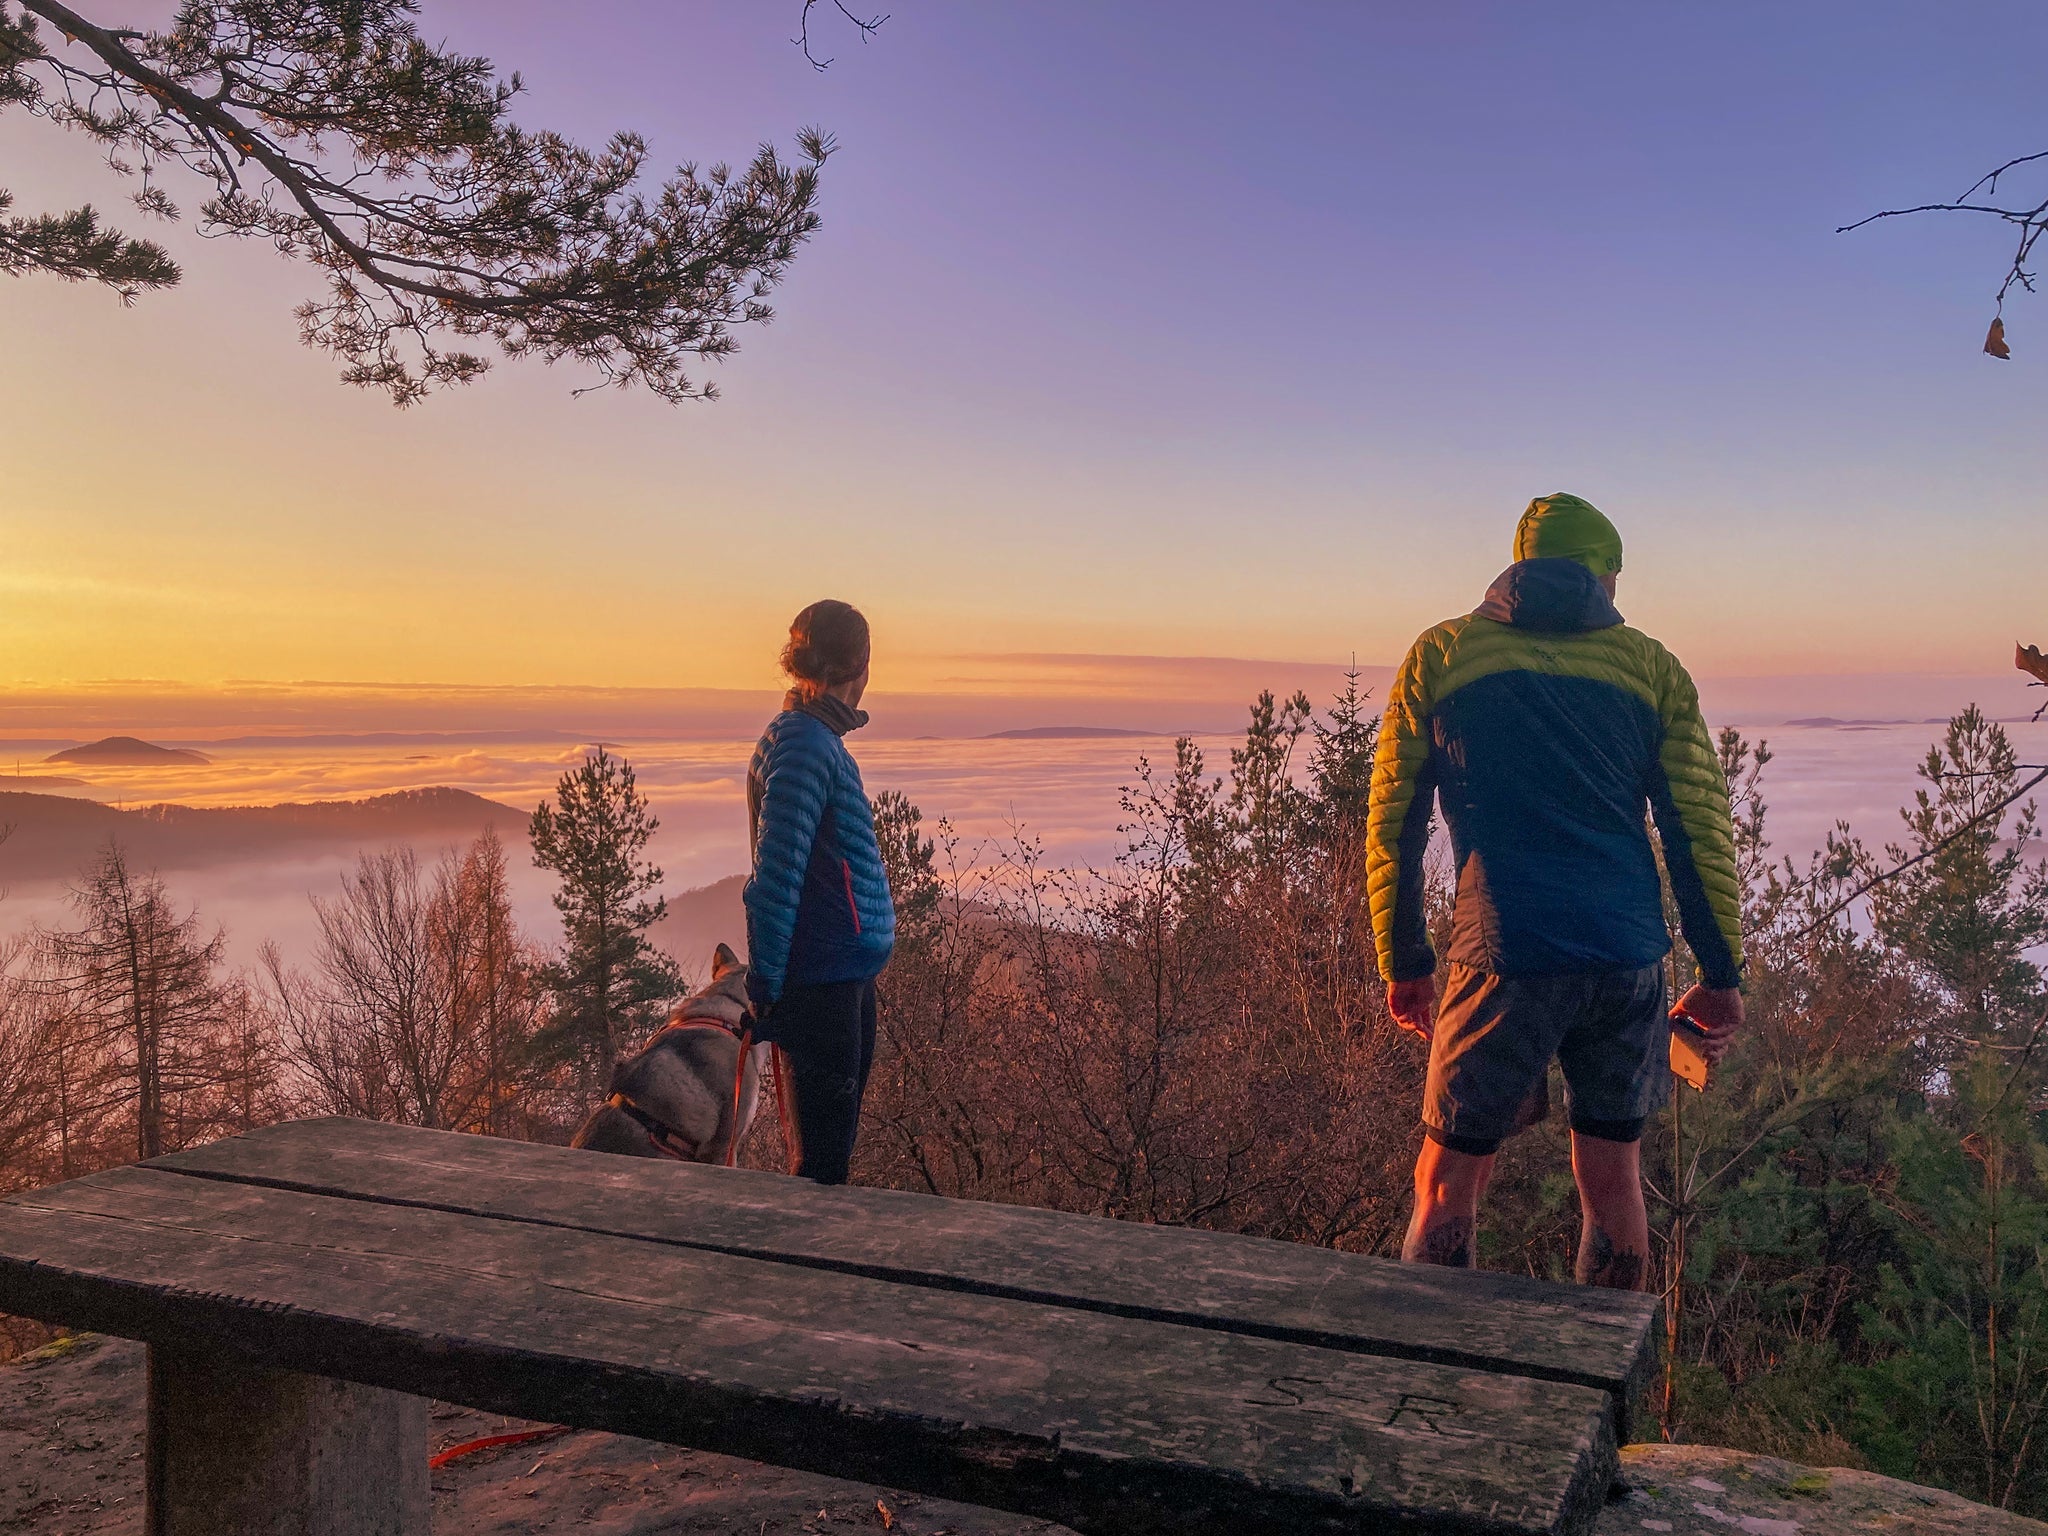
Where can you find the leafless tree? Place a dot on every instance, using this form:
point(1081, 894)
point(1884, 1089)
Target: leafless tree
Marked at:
point(140, 986)
point(382, 1010)
point(421, 995)
point(28, 1107)
point(493, 998)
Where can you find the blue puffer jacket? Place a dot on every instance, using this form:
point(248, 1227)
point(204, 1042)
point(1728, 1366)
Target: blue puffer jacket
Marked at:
point(818, 905)
point(1545, 727)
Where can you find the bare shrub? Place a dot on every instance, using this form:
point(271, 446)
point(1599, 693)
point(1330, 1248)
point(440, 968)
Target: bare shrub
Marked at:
point(1195, 1035)
point(421, 1000)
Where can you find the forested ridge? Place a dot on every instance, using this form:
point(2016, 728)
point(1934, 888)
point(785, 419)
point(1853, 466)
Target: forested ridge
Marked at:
point(1850, 1225)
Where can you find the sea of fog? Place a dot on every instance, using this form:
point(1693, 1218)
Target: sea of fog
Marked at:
point(1063, 793)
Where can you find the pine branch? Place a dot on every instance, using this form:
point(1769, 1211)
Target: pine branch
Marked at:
point(75, 247)
point(334, 131)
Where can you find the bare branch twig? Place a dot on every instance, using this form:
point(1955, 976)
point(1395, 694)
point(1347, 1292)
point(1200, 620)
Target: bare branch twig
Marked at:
point(867, 29)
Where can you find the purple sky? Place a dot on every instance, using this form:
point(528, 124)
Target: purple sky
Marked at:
point(1157, 329)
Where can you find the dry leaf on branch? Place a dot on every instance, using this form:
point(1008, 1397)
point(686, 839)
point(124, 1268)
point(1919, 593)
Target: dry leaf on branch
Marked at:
point(2028, 659)
point(1994, 340)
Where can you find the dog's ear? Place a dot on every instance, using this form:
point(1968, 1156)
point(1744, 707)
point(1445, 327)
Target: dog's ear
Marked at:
point(622, 1074)
point(723, 960)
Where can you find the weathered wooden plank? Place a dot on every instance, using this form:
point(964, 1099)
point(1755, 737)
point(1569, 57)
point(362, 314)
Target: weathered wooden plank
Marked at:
point(1105, 1423)
point(1572, 1334)
point(236, 1450)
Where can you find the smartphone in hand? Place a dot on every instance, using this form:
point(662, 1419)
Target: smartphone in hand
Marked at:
point(1688, 1054)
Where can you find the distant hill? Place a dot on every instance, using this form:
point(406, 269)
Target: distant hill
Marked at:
point(277, 740)
point(53, 837)
point(698, 922)
point(1066, 733)
point(127, 752)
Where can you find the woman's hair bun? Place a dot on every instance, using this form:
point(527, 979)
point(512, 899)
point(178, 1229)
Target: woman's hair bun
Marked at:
point(828, 644)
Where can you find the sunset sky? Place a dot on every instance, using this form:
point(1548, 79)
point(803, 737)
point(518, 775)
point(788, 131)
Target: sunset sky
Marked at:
point(1148, 329)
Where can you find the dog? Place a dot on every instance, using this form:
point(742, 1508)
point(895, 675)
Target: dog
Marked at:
point(690, 1092)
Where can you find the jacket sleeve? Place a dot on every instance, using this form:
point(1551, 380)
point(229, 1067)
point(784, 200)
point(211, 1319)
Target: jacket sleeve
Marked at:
point(1397, 824)
point(795, 786)
point(1689, 799)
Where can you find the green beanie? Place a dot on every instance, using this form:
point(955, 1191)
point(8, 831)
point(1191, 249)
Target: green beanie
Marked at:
point(1564, 527)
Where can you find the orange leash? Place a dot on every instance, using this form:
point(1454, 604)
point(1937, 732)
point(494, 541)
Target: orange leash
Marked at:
point(739, 1079)
point(792, 1133)
point(471, 1447)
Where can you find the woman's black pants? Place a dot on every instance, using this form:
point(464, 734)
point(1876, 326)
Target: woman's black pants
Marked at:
point(827, 1036)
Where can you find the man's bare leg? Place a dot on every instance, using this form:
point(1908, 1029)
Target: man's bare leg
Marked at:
point(1614, 1243)
point(1445, 1226)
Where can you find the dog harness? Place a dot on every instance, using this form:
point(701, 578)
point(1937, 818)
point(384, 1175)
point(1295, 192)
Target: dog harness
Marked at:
point(665, 1138)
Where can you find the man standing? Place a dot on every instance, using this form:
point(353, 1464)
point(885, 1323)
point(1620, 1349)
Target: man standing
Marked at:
point(1545, 726)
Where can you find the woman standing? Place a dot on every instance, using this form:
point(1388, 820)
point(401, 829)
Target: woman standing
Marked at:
point(820, 922)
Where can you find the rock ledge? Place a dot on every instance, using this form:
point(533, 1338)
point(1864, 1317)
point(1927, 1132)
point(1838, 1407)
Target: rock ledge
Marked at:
point(1702, 1490)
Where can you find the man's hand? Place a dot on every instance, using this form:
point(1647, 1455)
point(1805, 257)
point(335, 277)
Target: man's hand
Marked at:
point(1413, 1004)
point(1718, 1011)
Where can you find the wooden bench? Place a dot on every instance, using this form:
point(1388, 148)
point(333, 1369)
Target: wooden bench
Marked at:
point(304, 1289)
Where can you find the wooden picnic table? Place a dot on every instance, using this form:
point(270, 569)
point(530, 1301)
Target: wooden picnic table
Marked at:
point(304, 1289)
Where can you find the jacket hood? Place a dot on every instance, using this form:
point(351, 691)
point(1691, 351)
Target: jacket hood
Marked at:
point(1556, 595)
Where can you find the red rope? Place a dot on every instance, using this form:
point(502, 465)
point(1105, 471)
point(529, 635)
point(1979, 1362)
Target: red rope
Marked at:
point(739, 1078)
point(470, 1447)
point(785, 1110)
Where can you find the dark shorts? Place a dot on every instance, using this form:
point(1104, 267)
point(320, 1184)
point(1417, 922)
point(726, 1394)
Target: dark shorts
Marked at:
point(1489, 1063)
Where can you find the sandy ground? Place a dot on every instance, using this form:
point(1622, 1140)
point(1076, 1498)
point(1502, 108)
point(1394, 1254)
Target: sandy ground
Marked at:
point(71, 1465)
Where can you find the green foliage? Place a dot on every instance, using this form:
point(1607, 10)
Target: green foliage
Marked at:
point(1269, 819)
point(75, 247)
point(334, 131)
point(1958, 1392)
point(1966, 917)
point(1340, 765)
point(609, 984)
point(908, 859)
point(1858, 1200)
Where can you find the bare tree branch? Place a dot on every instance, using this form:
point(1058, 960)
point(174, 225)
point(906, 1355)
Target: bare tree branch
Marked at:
point(867, 29)
point(1987, 814)
point(2029, 220)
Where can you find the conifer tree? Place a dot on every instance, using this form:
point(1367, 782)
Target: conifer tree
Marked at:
point(1340, 766)
point(909, 860)
point(609, 983)
point(336, 132)
point(1970, 913)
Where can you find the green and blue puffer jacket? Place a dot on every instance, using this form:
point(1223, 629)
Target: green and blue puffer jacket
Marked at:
point(818, 905)
point(1545, 726)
